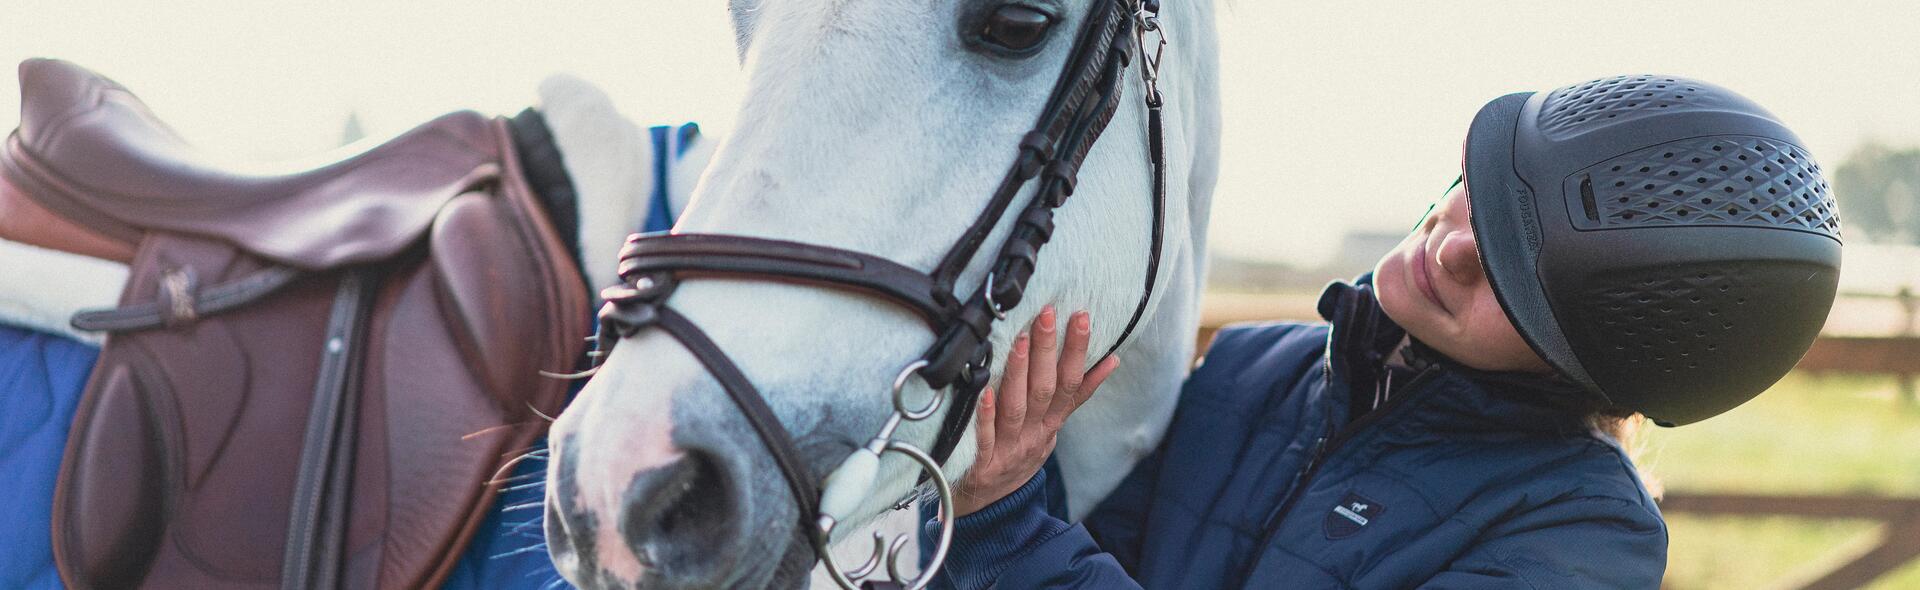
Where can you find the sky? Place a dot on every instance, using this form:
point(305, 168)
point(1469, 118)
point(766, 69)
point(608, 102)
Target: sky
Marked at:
point(1339, 116)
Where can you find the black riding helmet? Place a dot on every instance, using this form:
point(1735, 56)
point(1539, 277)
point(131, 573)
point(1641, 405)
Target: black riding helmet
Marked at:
point(1664, 243)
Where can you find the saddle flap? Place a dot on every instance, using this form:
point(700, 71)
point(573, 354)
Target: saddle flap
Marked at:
point(481, 271)
point(112, 498)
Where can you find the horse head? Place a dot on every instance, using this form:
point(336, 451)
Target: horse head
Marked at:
point(881, 127)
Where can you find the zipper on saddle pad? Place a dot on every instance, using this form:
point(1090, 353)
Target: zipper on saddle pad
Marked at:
point(316, 534)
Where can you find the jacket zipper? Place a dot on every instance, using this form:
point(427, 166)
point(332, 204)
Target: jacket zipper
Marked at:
point(1324, 447)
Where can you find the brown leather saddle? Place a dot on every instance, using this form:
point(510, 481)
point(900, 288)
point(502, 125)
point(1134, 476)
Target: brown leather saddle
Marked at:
point(312, 375)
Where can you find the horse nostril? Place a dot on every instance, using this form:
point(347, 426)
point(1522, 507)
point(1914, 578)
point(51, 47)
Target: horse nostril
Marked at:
point(569, 544)
point(681, 518)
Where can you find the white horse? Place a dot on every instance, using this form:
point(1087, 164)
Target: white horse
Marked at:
point(880, 126)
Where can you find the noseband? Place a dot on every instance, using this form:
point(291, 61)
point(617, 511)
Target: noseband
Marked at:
point(1082, 102)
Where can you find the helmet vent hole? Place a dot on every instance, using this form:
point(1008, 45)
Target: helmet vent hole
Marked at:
point(1781, 189)
point(1586, 199)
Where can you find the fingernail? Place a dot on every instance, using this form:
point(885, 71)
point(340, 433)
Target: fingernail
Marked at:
point(1020, 344)
point(986, 398)
point(1046, 318)
point(1082, 322)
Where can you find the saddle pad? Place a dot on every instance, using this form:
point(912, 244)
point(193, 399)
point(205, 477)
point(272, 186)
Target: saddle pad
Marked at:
point(62, 285)
point(40, 380)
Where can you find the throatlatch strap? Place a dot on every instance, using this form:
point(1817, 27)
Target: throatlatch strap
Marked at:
point(1156, 152)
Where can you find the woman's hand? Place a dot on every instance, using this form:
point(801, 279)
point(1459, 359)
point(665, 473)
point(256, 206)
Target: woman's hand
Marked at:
point(1018, 423)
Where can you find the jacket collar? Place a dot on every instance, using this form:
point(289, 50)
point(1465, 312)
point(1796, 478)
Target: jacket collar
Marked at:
point(1362, 337)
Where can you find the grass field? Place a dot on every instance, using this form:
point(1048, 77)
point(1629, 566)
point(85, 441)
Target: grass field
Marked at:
point(1810, 434)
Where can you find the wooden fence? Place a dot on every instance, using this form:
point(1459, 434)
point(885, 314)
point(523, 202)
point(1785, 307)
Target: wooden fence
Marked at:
point(1899, 540)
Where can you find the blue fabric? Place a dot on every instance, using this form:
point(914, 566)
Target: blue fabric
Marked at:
point(41, 376)
point(510, 550)
point(670, 144)
point(1268, 479)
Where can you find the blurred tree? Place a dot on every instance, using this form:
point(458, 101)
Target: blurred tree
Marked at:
point(1879, 192)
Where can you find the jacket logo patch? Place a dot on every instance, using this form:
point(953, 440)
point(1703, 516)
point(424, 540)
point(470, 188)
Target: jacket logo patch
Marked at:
point(1351, 515)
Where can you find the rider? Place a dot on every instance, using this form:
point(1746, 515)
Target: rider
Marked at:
point(1633, 246)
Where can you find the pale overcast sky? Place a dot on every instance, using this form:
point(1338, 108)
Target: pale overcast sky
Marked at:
point(1340, 115)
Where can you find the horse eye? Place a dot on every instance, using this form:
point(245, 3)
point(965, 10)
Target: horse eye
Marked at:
point(1016, 27)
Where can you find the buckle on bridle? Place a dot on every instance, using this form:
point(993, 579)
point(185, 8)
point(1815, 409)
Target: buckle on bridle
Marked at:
point(1147, 20)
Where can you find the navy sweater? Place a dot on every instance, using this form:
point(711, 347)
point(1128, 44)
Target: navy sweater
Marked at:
point(1274, 474)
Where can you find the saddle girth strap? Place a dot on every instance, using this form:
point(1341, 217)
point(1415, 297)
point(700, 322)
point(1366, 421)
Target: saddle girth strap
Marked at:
point(316, 533)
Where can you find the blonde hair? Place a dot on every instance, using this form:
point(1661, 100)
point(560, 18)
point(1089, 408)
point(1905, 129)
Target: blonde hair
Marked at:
point(1624, 427)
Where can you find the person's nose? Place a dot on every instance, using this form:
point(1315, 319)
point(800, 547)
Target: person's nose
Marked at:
point(1458, 255)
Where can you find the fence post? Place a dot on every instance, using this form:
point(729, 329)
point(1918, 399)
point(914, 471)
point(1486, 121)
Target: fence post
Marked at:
point(1909, 307)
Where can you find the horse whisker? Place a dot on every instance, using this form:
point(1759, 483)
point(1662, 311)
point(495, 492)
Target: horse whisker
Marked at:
point(511, 463)
point(492, 429)
point(570, 376)
point(525, 506)
point(537, 412)
point(516, 478)
point(536, 448)
point(539, 547)
point(524, 526)
point(526, 486)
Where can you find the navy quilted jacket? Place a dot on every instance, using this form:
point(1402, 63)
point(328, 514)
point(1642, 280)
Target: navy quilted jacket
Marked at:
point(1268, 478)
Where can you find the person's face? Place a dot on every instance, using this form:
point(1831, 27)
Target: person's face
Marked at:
point(1432, 284)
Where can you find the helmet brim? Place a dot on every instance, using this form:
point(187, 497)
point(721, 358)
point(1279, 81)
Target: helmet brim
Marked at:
point(1506, 226)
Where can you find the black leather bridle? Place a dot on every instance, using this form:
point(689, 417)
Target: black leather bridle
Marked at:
point(1082, 103)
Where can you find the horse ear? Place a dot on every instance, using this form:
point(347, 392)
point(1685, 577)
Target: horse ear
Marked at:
point(742, 12)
